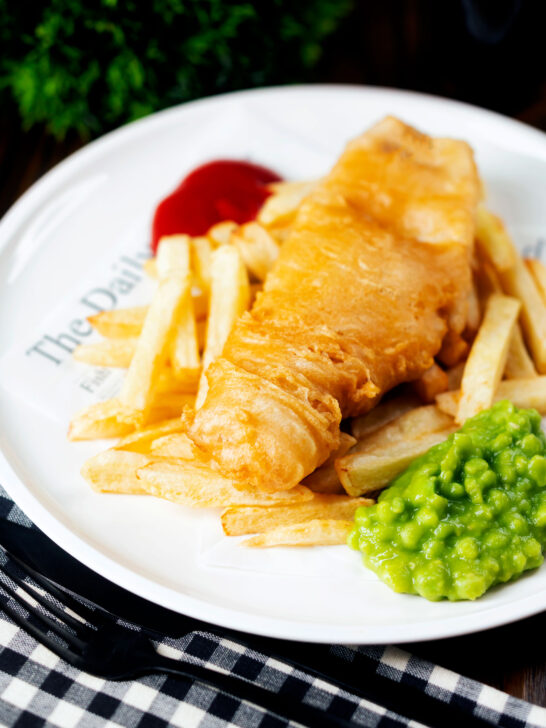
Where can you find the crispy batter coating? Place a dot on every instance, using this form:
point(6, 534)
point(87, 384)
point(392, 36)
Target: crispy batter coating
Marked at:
point(375, 272)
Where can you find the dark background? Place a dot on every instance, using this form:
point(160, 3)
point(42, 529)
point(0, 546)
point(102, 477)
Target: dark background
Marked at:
point(489, 54)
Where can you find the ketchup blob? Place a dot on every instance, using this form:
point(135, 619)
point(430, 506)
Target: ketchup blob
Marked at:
point(224, 189)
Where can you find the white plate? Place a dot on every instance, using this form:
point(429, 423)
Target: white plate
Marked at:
point(105, 194)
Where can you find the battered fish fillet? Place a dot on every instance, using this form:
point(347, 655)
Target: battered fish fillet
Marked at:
point(363, 292)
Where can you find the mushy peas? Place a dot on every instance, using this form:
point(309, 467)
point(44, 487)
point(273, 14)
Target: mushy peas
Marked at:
point(468, 514)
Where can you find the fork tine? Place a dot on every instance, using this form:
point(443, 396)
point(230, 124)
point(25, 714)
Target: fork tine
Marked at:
point(61, 631)
point(38, 634)
point(63, 615)
point(94, 616)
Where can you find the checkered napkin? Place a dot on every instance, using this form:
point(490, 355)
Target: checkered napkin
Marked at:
point(37, 688)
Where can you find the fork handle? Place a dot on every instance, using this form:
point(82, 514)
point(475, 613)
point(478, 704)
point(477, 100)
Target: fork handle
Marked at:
point(283, 705)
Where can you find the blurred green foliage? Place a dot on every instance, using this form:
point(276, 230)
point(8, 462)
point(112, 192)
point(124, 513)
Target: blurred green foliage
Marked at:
point(90, 65)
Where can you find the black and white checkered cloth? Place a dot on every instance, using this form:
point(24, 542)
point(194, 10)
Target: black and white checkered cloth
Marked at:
point(37, 688)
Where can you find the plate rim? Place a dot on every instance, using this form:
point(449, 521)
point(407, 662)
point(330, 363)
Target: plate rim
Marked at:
point(199, 608)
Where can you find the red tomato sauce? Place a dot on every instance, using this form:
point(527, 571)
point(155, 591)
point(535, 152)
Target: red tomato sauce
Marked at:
point(224, 189)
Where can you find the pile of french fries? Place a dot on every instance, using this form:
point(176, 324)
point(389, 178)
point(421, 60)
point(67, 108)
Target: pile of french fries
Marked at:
point(203, 285)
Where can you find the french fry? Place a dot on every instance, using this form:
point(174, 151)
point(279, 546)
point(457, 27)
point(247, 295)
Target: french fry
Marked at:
point(291, 186)
point(519, 283)
point(281, 207)
point(173, 256)
point(185, 359)
point(416, 423)
point(280, 234)
point(114, 471)
point(200, 300)
point(431, 383)
point(537, 269)
point(119, 353)
point(121, 323)
point(220, 233)
point(115, 353)
point(493, 241)
point(106, 353)
point(449, 401)
point(150, 267)
point(168, 383)
point(367, 472)
point(230, 295)
point(519, 364)
point(487, 359)
point(194, 484)
point(313, 533)
point(524, 393)
point(174, 402)
point(381, 414)
point(454, 349)
point(111, 418)
point(100, 420)
point(159, 330)
point(126, 323)
point(257, 247)
point(324, 479)
point(142, 440)
point(244, 520)
point(174, 445)
point(201, 252)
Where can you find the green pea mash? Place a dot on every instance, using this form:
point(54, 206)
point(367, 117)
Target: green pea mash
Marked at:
point(468, 514)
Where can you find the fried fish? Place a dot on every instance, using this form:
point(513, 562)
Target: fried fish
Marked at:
point(374, 274)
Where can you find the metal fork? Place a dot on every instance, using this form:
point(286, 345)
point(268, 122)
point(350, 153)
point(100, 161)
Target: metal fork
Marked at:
point(95, 643)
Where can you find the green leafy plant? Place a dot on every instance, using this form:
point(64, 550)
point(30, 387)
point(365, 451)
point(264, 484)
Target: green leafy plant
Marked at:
point(90, 65)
